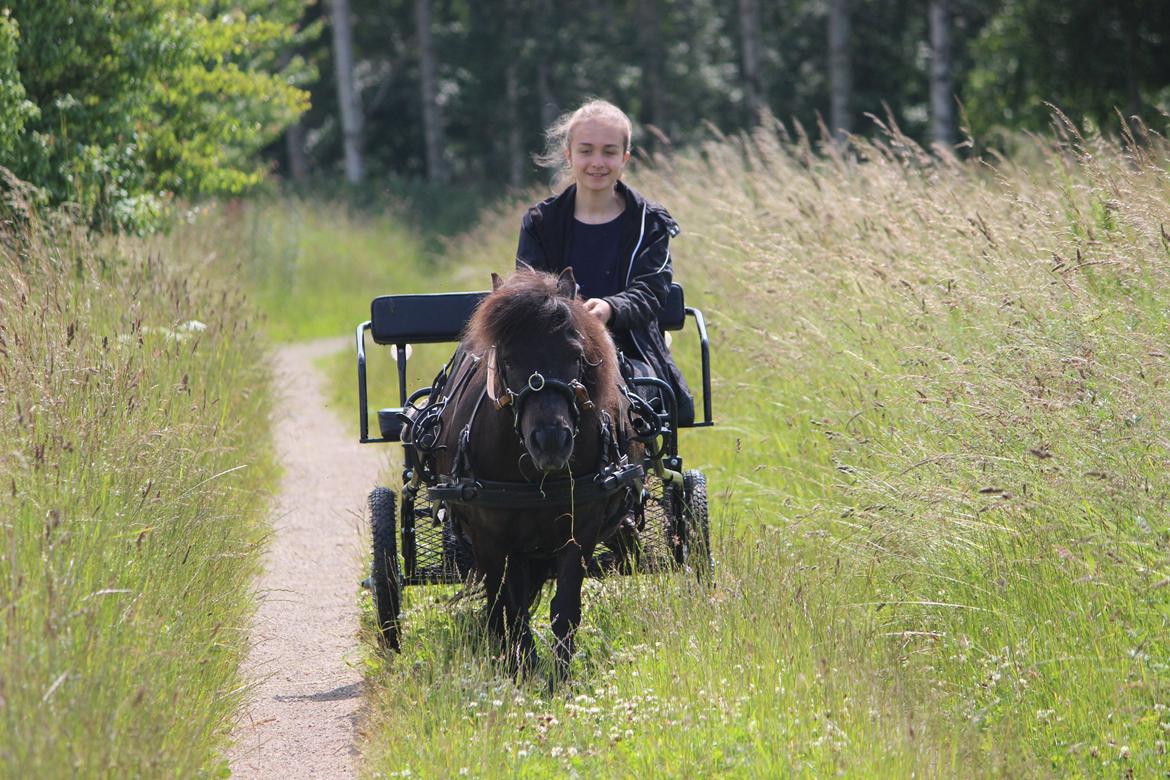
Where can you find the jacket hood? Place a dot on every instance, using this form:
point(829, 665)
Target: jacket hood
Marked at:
point(651, 207)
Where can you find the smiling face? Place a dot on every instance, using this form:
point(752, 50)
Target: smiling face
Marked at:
point(597, 153)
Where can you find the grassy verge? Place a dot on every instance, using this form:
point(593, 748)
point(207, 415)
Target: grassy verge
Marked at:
point(312, 266)
point(940, 484)
point(133, 448)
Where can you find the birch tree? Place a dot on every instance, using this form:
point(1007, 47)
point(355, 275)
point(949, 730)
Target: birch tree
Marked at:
point(840, 70)
point(347, 94)
point(545, 46)
point(429, 82)
point(512, 91)
point(749, 33)
point(653, 111)
point(942, 116)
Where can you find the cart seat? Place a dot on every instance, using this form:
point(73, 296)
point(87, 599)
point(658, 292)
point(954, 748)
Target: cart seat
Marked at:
point(436, 318)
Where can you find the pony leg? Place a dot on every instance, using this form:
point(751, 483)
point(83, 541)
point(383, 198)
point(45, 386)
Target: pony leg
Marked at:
point(493, 580)
point(565, 613)
point(508, 602)
point(517, 601)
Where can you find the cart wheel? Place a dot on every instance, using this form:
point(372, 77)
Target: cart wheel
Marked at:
point(697, 525)
point(386, 576)
point(674, 506)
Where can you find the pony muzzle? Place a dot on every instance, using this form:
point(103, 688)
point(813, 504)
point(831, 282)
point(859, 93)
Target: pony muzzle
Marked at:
point(550, 447)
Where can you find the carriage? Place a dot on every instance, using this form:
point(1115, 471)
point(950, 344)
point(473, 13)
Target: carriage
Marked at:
point(416, 540)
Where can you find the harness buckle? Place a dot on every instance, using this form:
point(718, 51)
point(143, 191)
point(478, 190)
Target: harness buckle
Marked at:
point(581, 393)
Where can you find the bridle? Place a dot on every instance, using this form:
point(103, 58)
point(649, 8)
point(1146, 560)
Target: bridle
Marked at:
point(574, 391)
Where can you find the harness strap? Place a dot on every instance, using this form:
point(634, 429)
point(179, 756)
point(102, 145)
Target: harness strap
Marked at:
point(522, 495)
point(462, 462)
point(426, 428)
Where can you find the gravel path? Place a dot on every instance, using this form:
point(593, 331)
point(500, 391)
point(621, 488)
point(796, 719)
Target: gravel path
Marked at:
point(301, 717)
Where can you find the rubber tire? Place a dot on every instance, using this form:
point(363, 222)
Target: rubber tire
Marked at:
point(385, 570)
point(676, 522)
point(698, 525)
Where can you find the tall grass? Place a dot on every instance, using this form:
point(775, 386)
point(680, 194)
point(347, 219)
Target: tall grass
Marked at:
point(310, 267)
point(939, 487)
point(134, 460)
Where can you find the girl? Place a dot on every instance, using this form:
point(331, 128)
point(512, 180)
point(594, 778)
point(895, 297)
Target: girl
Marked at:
point(616, 241)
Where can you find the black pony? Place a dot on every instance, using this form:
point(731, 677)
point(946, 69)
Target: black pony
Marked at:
point(535, 453)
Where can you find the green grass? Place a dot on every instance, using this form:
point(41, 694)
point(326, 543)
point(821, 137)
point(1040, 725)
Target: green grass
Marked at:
point(939, 486)
point(309, 267)
point(135, 463)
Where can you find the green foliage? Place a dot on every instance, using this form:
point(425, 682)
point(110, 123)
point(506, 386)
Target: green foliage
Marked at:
point(15, 109)
point(139, 103)
point(1090, 59)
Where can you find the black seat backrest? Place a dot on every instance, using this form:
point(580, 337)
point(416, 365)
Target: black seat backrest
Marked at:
point(439, 317)
point(422, 319)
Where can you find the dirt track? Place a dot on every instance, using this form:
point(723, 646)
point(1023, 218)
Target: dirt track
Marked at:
point(302, 714)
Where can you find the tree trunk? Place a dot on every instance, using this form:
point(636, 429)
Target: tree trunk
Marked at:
point(653, 112)
point(1130, 21)
point(294, 137)
point(749, 32)
point(347, 94)
point(432, 114)
point(298, 160)
point(512, 92)
point(942, 114)
point(546, 47)
point(840, 70)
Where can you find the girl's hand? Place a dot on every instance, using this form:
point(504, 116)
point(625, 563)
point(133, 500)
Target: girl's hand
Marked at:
point(599, 309)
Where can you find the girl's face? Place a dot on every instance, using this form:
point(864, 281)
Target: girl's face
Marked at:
point(597, 153)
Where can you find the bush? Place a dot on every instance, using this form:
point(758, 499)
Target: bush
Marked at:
point(119, 107)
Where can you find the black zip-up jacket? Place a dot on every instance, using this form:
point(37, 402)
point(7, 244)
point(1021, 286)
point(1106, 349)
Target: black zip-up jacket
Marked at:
point(646, 230)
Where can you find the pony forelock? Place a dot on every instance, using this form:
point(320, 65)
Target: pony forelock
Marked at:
point(529, 300)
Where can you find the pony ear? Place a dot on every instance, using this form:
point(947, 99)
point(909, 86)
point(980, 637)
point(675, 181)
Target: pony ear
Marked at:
point(496, 281)
point(567, 284)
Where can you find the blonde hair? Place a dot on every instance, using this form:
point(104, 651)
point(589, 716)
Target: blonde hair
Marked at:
point(559, 134)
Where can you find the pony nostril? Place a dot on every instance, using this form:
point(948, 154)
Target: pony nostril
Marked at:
point(551, 439)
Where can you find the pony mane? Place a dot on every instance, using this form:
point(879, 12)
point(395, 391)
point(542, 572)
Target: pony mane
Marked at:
point(528, 300)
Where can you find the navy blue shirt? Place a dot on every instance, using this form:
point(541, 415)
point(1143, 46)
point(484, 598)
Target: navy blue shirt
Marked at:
point(593, 256)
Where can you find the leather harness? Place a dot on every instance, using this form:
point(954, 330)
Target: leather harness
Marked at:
point(614, 472)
